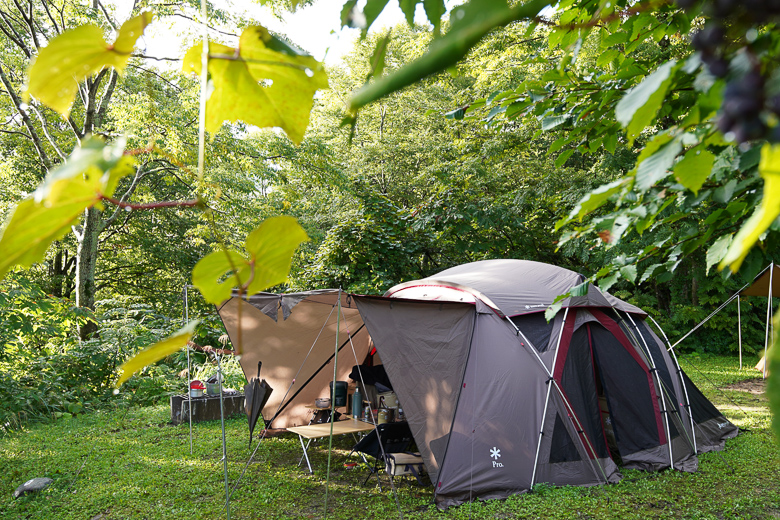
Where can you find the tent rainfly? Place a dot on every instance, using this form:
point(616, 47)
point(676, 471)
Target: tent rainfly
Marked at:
point(497, 398)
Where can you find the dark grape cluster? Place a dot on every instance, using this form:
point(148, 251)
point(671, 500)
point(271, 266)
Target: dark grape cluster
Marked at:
point(746, 106)
point(709, 41)
point(743, 101)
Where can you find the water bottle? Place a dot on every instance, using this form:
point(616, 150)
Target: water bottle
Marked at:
point(357, 404)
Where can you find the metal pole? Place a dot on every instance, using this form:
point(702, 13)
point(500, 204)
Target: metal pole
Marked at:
point(547, 400)
point(768, 316)
point(682, 382)
point(224, 444)
point(665, 410)
point(189, 365)
point(739, 331)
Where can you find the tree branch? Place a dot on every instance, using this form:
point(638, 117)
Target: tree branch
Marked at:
point(26, 120)
point(16, 37)
point(105, 13)
point(52, 142)
point(106, 98)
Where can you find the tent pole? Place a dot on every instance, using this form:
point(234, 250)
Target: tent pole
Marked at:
point(569, 409)
point(682, 382)
point(739, 331)
point(665, 410)
point(333, 398)
point(768, 315)
point(224, 444)
point(547, 400)
point(189, 366)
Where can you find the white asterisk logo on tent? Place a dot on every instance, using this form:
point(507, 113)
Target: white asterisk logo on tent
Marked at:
point(495, 453)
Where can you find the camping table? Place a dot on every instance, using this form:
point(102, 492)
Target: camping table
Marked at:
point(315, 431)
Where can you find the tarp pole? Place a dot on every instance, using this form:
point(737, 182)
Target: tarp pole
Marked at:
point(547, 400)
point(189, 367)
point(333, 398)
point(739, 331)
point(224, 444)
point(768, 316)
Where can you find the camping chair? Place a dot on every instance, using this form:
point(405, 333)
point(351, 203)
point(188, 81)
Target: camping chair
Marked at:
point(389, 443)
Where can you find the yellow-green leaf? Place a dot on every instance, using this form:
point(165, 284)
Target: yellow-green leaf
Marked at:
point(218, 273)
point(263, 83)
point(47, 215)
point(156, 352)
point(69, 58)
point(272, 245)
point(767, 212)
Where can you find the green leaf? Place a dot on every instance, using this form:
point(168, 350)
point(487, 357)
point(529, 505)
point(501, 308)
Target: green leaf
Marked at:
point(469, 23)
point(70, 57)
point(608, 281)
point(270, 247)
point(592, 201)
point(156, 352)
point(550, 122)
point(378, 57)
point(694, 168)
point(264, 83)
point(563, 157)
point(765, 214)
point(372, 10)
point(718, 250)
point(656, 167)
point(67, 191)
point(218, 273)
point(640, 104)
point(629, 273)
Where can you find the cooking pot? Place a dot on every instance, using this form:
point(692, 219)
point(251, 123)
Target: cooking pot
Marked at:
point(322, 402)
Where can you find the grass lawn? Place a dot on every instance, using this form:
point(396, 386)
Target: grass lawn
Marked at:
point(131, 464)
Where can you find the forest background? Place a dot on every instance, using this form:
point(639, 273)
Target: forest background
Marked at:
point(594, 137)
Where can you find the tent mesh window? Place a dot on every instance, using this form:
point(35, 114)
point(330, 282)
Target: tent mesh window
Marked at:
point(535, 328)
point(579, 384)
point(562, 448)
point(625, 384)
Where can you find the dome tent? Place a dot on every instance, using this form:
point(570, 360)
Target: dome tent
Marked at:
point(498, 399)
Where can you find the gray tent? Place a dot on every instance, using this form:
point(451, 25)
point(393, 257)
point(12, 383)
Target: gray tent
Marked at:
point(497, 398)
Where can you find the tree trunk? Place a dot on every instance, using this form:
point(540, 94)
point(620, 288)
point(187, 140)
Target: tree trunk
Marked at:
point(85, 267)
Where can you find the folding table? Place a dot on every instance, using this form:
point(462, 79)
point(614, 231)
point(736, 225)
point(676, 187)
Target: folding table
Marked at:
point(315, 431)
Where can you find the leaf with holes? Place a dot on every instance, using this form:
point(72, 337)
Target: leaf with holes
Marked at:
point(69, 58)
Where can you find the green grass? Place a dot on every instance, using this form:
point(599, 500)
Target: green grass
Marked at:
point(131, 464)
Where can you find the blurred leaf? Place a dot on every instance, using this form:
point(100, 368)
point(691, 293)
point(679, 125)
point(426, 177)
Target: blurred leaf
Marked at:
point(218, 273)
point(638, 107)
point(656, 167)
point(629, 273)
point(694, 168)
point(70, 57)
point(470, 22)
point(271, 246)
point(156, 352)
point(765, 214)
point(264, 82)
point(592, 201)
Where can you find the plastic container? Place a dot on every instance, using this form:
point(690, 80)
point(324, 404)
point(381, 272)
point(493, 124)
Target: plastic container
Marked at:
point(340, 395)
point(212, 388)
point(197, 388)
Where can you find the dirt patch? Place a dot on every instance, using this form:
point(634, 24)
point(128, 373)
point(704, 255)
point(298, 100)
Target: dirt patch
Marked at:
point(753, 386)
